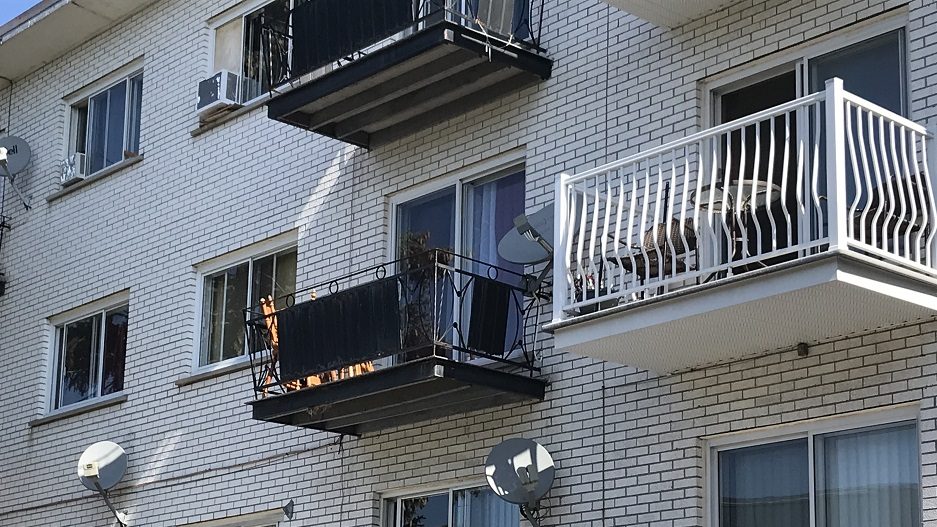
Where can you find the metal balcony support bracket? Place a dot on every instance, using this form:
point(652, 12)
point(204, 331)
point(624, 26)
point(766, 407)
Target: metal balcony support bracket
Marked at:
point(836, 164)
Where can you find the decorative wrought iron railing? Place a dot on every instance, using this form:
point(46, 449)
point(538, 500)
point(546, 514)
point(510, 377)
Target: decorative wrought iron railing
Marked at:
point(324, 34)
point(827, 172)
point(431, 304)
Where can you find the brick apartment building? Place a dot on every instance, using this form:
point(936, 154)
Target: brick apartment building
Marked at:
point(736, 326)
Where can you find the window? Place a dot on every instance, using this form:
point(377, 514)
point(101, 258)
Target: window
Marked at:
point(90, 356)
point(105, 127)
point(229, 291)
point(464, 507)
point(468, 218)
point(488, 206)
point(860, 477)
point(257, 46)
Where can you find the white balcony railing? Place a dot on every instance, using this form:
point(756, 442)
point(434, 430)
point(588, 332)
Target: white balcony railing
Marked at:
point(766, 190)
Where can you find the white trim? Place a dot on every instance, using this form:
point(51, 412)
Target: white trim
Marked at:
point(797, 58)
point(239, 10)
point(459, 177)
point(91, 308)
point(108, 81)
point(254, 519)
point(433, 489)
point(54, 322)
point(807, 429)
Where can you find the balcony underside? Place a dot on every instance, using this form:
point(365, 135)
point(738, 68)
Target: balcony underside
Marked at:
point(812, 300)
point(669, 13)
point(408, 393)
point(438, 73)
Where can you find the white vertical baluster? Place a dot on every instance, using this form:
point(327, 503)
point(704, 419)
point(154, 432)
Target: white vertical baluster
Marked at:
point(873, 154)
point(681, 224)
point(769, 180)
point(929, 161)
point(851, 142)
point(644, 211)
point(913, 203)
point(784, 177)
point(802, 135)
point(922, 196)
point(815, 176)
point(886, 168)
point(580, 246)
point(561, 220)
point(606, 235)
point(739, 194)
point(726, 204)
point(753, 200)
point(655, 223)
point(864, 155)
point(593, 232)
point(618, 214)
point(631, 212)
point(899, 189)
point(714, 244)
point(668, 218)
point(700, 170)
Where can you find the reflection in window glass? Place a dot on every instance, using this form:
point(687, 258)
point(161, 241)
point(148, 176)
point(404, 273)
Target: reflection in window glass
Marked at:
point(426, 511)
point(869, 478)
point(747, 498)
point(91, 357)
point(229, 292)
point(480, 507)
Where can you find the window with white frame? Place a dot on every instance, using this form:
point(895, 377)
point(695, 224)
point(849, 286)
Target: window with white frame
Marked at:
point(256, 46)
point(848, 476)
point(90, 353)
point(105, 126)
point(227, 292)
point(456, 507)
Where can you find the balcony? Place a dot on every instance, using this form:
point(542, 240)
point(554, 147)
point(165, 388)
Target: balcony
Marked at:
point(668, 13)
point(429, 336)
point(800, 224)
point(368, 72)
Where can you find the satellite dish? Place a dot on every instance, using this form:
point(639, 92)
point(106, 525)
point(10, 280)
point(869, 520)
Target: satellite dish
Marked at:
point(18, 155)
point(102, 466)
point(14, 157)
point(524, 248)
point(521, 471)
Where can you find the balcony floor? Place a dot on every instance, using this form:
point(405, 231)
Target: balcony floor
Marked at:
point(812, 300)
point(435, 74)
point(408, 393)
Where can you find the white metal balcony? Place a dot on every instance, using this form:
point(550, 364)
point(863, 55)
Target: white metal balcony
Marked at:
point(800, 224)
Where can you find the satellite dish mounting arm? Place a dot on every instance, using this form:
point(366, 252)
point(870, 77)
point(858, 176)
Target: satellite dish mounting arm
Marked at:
point(121, 517)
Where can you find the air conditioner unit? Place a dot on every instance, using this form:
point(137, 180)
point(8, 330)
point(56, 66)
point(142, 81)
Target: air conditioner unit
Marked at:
point(218, 92)
point(74, 169)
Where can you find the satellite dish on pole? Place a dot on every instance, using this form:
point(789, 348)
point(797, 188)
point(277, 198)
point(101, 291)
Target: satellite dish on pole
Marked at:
point(100, 468)
point(521, 471)
point(14, 158)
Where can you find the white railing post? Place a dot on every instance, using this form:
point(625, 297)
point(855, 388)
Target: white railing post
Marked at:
point(560, 247)
point(836, 164)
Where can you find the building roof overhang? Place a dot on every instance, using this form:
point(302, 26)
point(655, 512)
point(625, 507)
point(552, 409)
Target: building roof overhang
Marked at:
point(51, 28)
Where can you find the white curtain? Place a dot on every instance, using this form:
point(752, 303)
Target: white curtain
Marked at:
point(479, 507)
point(870, 478)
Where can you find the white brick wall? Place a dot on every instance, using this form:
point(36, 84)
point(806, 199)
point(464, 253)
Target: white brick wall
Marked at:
point(628, 444)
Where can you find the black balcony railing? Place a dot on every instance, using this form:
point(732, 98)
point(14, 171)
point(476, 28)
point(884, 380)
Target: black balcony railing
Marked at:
point(322, 32)
point(432, 304)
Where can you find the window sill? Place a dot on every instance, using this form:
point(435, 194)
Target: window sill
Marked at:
point(80, 408)
point(248, 107)
point(97, 176)
point(210, 372)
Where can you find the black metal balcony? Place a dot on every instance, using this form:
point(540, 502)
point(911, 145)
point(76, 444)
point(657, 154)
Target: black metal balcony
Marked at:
point(429, 336)
point(369, 72)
